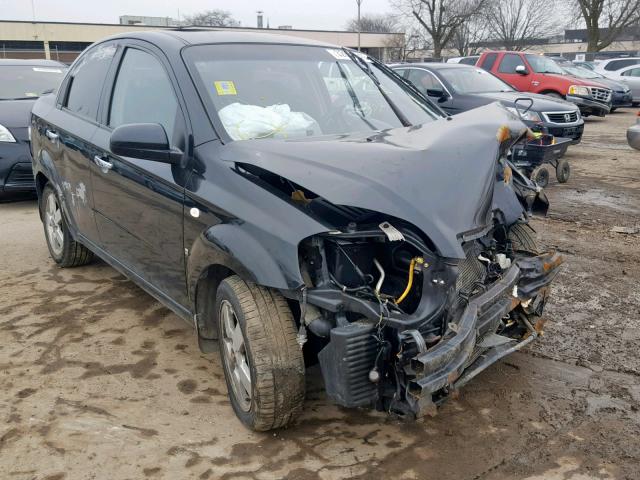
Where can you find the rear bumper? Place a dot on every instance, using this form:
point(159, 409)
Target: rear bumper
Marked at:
point(590, 107)
point(16, 173)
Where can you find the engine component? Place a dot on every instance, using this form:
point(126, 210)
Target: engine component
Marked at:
point(414, 261)
point(346, 363)
point(392, 233)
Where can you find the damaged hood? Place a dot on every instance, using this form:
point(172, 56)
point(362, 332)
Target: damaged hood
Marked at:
point(438, 176)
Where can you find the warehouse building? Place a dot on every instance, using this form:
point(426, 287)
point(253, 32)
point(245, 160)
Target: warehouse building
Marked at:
point(63, 41)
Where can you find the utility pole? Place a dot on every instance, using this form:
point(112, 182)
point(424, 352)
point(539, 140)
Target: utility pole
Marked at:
point(359, 2)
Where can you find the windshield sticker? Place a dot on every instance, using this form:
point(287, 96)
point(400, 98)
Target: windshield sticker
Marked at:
point(225, 87)
point(338, 54)
point(47, 70)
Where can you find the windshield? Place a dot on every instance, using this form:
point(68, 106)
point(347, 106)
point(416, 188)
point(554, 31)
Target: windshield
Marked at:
point(22, 81)
point(541, 64)
point(473, 80)
point(581, 72)
point(290, 91)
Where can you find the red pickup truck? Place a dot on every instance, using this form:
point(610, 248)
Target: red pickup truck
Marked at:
point(529, 72)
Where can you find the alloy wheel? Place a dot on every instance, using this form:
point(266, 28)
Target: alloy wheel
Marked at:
point(235, 354)
point(53, 224)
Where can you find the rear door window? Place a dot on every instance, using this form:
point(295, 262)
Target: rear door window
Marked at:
point(143, 93)
point(634, 72)
point(509, 63)
point(489, 61)
point(618, 64)
point(86, 80)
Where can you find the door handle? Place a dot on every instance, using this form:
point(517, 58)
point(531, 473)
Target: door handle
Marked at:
point(52, 136)
point(102, 164)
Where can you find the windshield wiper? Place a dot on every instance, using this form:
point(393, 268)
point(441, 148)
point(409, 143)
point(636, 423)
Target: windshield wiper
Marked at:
point(354, 98)
point(364, 66)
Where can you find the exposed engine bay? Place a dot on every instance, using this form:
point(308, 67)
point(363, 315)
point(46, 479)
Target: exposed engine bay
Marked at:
point(395, 325)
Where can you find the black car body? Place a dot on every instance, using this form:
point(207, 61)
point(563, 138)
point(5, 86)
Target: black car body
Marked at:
point(396, 256)
point(446, 83)
point(620, 93)
point(21, 83)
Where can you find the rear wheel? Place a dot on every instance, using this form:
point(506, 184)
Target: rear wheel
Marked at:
point(540, 175)
point(263, 364)
point(64, 250)
point(563, 171)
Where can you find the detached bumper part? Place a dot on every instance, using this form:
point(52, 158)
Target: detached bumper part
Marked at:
point(590, 107)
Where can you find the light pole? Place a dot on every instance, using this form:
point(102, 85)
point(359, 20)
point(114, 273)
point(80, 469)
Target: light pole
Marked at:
point(359, 2)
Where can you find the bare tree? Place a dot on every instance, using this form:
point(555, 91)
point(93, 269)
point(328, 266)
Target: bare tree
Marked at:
point(404, 46)
point(605, 20)
point(516, 24)
point(467, 38)
point(212, 18)
point(440, 18)
point(373, 23)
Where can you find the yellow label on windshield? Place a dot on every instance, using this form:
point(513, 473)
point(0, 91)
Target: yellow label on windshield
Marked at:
point(225, 87)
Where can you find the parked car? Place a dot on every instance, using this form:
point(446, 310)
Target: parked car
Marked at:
point(21, 83)
point(533, 73)
point(633, 134)
point(631, 77)
point(225, 174)
point(614, 64)
point(584, 64)
point(470, 60)
point(621, 93)
point(459, 88)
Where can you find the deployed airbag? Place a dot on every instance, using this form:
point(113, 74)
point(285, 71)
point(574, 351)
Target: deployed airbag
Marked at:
point(245, 122)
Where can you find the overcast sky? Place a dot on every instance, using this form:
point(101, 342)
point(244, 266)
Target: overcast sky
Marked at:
point(307, 14)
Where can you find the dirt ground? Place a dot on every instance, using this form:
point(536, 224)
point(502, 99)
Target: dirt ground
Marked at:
point(99, 381)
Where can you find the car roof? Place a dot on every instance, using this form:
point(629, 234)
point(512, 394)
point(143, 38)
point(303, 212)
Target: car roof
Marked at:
point(199, 36)
point(602, 62)
point(36, 62)
point(434, 65)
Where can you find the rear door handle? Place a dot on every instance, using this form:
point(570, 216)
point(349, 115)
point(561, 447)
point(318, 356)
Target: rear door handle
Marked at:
point(102, 164)
point(53, 136)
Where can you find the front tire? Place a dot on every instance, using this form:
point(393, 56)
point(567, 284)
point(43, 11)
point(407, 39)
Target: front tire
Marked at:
point(64, 250)
point(263, 364)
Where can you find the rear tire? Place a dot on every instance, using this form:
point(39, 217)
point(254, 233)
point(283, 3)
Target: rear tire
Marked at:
point(64, 250)
point(563, 171)
point(257, 338)
point(540, 175)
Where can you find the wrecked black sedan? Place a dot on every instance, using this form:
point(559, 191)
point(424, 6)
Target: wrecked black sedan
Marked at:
point(297, 203)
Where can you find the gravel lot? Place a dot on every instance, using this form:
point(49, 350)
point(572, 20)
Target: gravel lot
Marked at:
point(99, 381)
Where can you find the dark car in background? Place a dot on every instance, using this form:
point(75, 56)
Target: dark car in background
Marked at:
point(21, 83)
point(458, 88)
point(621, 94)
point(291, 199)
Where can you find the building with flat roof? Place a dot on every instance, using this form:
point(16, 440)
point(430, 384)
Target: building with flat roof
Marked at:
point(64, 41)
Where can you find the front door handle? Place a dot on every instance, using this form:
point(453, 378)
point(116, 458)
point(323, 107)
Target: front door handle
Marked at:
point(52, 136)
point(102, 164)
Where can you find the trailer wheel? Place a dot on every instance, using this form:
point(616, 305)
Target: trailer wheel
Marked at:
point(563, 171)
point(263, 364)
point(540, 175)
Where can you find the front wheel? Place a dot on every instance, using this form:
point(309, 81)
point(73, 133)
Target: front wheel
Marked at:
point(64, 250)
point(263, 364)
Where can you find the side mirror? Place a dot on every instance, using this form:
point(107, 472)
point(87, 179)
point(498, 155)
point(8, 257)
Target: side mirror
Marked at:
point(522, 70)
point(146, 141)
point(437, 93)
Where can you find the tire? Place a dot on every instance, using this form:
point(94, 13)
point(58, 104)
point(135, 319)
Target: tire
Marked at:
point(540, 175)
point(613, 109)
point(563, 170)
point(64, 250)
point(523, 239)
point(269, 356)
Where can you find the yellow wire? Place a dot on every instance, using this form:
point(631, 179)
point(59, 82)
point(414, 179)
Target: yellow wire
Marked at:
point(409, 283)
